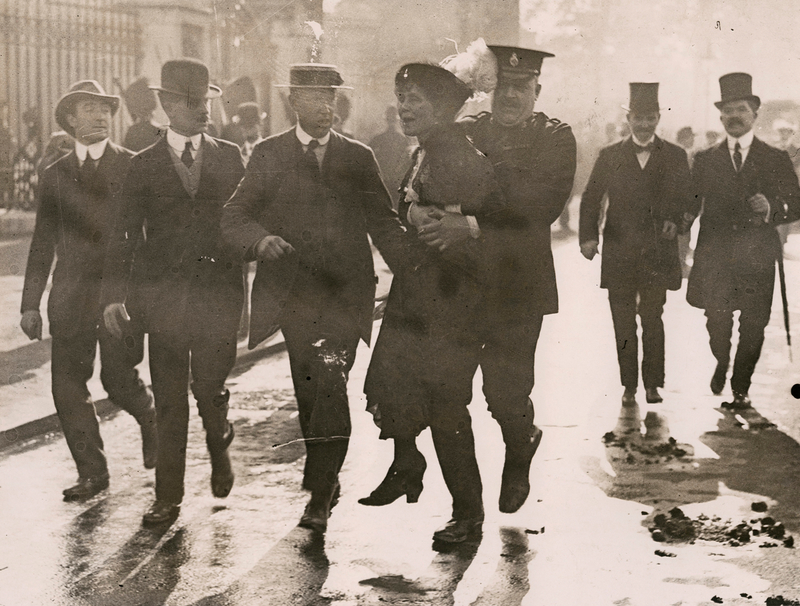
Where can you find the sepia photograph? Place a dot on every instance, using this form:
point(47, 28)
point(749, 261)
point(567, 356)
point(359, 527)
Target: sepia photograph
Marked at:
point(415, 302)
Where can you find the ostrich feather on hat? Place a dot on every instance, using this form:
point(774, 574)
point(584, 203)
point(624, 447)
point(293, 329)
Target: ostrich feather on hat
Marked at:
point(476, 67)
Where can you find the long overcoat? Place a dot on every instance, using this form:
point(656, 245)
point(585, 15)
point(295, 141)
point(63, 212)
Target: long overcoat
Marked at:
point(734, 261)
point(535, 167)
point(639, 201)
point(326, 217)
point(183, 275)
point(74, 221)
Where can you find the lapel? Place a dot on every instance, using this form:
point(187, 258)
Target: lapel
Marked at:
point(722, 159)
point(208, 167)
point(331, 156)
point(169, 181)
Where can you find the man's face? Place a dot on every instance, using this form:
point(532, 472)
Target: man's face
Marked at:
point(737, 118)
point(643, 125)
point(90, 119)
point(417, 113)
point(188, 116)
point(315, 108)
point(514, 99)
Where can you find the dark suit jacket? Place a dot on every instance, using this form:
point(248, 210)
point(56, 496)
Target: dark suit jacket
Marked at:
point(734, 261)
point(182, 274)
point(639, 201)
point(74, 222)
point(535, 166)
point(326, 218)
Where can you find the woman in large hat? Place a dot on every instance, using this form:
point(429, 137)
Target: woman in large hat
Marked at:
point(426, 354)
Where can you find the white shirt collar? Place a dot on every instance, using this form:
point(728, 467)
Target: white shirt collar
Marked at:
point(305, 138)
point(178, 142)
point(745, 141)
point(95, 150)
point(648, 142)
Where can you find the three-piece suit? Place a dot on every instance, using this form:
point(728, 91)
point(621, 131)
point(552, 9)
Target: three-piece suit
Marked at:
point(638, 264)
point(186, 287)
point(77, 207)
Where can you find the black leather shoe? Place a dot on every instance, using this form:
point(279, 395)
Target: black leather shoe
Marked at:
point(629, 397)
point(86, 488)
point(516, 484)
point(459, 530)
point(337, 492)
point(147, 424)
point(315, 517)
point(741, 401)
point(221, 470)
point(398, 482)
point(718, 379)
point(161, 512)
point(652, 396)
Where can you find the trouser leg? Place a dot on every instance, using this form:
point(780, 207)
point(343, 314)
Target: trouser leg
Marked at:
point(507, 364)
point(719, 324)
point(651, 307)
point(623, 314)
point(118, 373)
point(752, 323)
point(71, 368)
point(212, 359)
point(169, 369)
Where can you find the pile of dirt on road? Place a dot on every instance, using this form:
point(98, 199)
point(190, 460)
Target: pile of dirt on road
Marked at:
point(632, 448)
point(676, 527)
point(779, 600)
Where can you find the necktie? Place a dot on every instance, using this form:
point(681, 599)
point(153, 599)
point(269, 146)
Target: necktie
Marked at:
point(640, 149)
point(737, 156)
point(310, 157)
point(87, 169)
point(186, 156)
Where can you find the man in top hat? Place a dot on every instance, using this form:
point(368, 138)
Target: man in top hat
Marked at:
point(140, 100)
point(78, 204)
point(187, 287)
point(534, 161)
point(746, 189)
point(304, 209)
point(646, 180)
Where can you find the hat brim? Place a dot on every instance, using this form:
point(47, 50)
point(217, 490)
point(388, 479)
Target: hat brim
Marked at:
point(755, 98)
point(312, 86)
point(629, 109)
point(66, 101)
point(214, 92)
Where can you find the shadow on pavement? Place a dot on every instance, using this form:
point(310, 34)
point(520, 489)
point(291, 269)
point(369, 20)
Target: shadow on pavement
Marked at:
point(18, 363)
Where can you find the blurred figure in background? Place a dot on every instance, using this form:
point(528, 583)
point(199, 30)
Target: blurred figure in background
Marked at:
point(245, 128)
point(26, 163)
point(686, 139)
point(341, 116)
point(141, 103)
point(393, 152)
point(712, 138)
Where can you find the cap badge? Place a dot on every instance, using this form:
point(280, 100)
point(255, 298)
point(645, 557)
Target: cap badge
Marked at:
point(514, 60)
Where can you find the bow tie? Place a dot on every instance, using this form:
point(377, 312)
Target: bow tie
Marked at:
point(640, 149)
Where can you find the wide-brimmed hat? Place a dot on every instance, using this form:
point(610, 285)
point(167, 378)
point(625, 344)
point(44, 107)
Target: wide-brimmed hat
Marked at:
point(737, 86)
point(83, 89)
point(434, 81)
point(187, 77)
point(314, 75)
point(643, 98)
point(248, 114)
point(514, 62)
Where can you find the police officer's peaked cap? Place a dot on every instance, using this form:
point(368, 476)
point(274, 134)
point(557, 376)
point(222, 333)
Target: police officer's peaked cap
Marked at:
point(516, 62)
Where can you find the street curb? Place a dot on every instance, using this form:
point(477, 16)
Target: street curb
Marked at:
point(105, 408)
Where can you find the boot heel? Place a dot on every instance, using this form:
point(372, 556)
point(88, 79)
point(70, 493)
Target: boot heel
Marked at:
point(413, 490)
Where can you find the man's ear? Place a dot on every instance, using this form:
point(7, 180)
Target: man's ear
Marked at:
point(538, 89)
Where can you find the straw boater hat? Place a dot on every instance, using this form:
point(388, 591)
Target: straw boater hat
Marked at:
point(83, 89)
point(314, 75)
point(187, 77)
point(737, 86)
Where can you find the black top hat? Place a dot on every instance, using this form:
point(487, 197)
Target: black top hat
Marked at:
point(314, 75)
point(139, 98)
point(644, 98)
point(437, 83)
point(249, 114)
point(187, 77)
point(515, 62)
point(90, 89)
point(737, 86)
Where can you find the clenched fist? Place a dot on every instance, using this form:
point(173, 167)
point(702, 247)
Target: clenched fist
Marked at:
point(272, 248)
point(31, 324)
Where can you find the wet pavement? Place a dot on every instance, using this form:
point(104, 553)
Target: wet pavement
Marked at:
point(583, 537)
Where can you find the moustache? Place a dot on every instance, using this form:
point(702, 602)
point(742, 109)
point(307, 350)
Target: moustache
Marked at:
point(735, 122)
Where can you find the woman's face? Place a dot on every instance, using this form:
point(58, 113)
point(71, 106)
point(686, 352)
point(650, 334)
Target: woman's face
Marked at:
point(417, 114)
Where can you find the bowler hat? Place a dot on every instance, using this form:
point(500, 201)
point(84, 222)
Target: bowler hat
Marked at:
point(519, 63)
point(314, 75)
point(248, 114)
point(188, 78)
point(737, 86)
point(643, 98)
point(83, 89)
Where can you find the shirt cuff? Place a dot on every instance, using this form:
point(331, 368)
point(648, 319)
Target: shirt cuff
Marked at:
point(474, 228)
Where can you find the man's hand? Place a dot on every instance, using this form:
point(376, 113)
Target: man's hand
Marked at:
point(669, 230)
point(759, 204)
point(449, 229)
point(272, 248)
point(589, 249)
point(31, 324)
point(116, 318)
